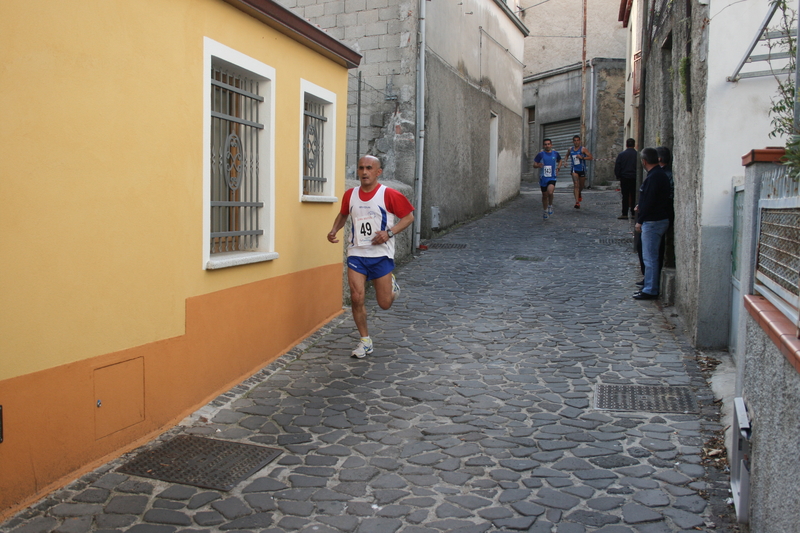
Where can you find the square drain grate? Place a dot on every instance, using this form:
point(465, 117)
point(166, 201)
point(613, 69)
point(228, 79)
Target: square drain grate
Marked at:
point(446, 246)
point(645, 398)
point(201, 462)
point(613, 240)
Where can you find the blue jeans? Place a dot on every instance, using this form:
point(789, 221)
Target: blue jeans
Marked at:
point(651, 239)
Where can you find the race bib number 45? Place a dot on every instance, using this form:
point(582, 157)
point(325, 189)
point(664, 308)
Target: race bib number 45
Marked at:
point(366, 227)
point(548, 171)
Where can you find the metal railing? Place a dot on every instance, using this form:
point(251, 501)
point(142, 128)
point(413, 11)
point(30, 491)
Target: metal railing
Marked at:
point(778, 253)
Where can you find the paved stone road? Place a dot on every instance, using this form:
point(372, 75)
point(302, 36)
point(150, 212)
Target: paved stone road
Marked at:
point(475, 413)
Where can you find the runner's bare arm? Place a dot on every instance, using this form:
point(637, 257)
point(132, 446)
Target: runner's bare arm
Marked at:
point(338, 224)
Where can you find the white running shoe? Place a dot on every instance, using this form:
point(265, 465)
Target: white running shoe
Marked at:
point(544, 216)
point(395, 286)
point(363, 349)
point(550, 210)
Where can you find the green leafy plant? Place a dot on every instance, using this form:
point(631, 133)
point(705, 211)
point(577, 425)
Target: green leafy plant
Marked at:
point(782, 109)
point(683, 73)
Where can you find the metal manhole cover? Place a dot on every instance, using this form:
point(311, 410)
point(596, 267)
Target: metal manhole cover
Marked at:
point(446, 246)
point(645, 398)
point(527, 258)
point(201, 462)
point(606, 240)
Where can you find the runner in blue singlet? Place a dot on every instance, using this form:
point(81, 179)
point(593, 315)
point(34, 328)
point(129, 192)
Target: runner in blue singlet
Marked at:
point(577, 156)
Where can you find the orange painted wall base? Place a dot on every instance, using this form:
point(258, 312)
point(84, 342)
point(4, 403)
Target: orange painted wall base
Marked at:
point(63, 421)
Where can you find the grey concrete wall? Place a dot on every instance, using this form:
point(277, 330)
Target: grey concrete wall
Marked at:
point(772, 396)
point(559, 98)
point(675, 117)
point(456, 157)
point(714, 308)
point(605, 133)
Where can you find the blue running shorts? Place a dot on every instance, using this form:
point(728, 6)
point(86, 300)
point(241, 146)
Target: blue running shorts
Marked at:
point(544, 189)
point(372, 267)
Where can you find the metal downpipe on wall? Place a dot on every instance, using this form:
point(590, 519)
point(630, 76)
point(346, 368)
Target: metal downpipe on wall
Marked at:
point(420, 126)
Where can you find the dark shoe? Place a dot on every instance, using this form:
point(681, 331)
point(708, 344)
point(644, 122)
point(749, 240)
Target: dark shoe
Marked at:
point(640, 283)
point(644, 296)
point(622, 217)
point(577, 205)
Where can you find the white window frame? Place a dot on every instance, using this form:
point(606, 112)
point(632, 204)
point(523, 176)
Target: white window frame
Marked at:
point(266, 178)
point(328, 99)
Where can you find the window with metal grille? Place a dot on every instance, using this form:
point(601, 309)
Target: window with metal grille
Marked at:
point(238, 158)
point(235, 132)
point(317, 140)
point(313, 147)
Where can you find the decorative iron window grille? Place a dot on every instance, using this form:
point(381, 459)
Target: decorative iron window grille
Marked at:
point(313, 147)
point(235, 133)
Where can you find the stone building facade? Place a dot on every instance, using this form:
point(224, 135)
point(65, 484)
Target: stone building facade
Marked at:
point(470, 137)
point(692, 89)
point(562, 98)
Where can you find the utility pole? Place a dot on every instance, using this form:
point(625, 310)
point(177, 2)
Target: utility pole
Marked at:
point(583, 76)
point(796, 121)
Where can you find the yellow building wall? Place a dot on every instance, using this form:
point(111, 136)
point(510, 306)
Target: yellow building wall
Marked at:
point(101, 142)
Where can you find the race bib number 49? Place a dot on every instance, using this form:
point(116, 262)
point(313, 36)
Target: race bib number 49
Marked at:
point(366, 227)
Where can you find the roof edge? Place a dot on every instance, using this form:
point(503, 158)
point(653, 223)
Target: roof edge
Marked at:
point(278, 17)
point(552, 72)
point(510, 14)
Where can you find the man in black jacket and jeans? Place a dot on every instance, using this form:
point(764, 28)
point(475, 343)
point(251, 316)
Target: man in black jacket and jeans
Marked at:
point(625, 172)
point(654, 214)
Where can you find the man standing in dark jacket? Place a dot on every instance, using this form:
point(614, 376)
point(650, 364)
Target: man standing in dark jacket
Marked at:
point(655, 212)
point(625, 171)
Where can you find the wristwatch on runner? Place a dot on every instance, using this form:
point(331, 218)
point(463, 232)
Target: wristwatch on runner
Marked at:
point(389, 233)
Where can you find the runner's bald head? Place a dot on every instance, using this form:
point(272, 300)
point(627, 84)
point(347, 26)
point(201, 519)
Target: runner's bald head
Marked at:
point(374, 160)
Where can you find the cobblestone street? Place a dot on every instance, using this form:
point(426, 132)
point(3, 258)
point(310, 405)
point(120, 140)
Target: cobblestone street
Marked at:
point(476, 412)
